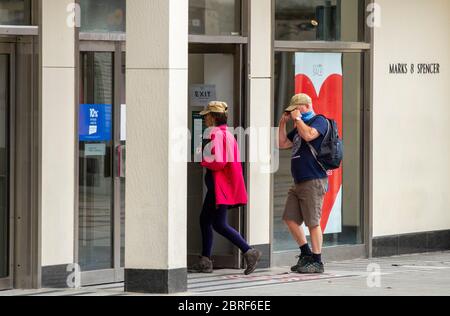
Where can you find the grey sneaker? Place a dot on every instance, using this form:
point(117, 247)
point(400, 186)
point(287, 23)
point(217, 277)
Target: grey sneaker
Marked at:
point(312, 267)
point(204, 265)
point(252, 258)
point(302, 261)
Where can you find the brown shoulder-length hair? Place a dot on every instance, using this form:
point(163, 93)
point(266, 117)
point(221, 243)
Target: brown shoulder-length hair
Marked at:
point(220, 118)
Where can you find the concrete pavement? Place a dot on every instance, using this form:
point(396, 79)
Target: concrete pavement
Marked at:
point(411, 275)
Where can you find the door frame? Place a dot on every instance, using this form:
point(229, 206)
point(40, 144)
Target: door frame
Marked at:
point(115, 274)
point(238, 49)
point(9, 49)
point(205, 44)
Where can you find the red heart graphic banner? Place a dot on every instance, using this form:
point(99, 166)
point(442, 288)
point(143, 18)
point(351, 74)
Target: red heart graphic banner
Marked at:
point(327, 100)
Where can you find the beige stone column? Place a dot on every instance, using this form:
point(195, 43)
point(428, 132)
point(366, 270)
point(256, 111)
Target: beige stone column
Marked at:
point(157, 62)
point(259, 210)
point(58, 137)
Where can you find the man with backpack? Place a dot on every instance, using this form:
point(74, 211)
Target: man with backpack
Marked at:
point(316, 148)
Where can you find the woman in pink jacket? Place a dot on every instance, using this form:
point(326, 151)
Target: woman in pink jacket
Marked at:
point(226, 189)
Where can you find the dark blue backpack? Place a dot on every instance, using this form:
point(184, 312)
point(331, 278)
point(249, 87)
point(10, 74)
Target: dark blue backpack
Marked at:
point(331, 151)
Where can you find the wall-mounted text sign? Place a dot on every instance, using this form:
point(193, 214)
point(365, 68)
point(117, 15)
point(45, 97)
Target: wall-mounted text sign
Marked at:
point(420, 68)
point(95, 122)
point(201, 95)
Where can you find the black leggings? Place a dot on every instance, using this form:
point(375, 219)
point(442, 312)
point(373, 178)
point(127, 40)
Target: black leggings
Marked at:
point(216, 218)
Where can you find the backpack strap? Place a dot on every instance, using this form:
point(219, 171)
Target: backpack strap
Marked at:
point(316, 156)
point(311, 147)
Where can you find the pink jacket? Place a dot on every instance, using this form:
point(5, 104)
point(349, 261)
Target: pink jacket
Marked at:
point(226, 166)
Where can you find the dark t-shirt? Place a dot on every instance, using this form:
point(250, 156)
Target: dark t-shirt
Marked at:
point(304, 166)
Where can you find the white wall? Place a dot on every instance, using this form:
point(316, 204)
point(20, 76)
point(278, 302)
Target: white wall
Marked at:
point(58, 134)
point(219, 71)
point(411, 119)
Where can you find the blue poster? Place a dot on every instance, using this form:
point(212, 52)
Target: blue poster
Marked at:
point(95, 123)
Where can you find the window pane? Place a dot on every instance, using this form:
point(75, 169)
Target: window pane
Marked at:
point(102, 15)
point(15, 12)
point(320, 20)
point(4, 162)
point(334, 83)
point(214, 17)
point(96, 163)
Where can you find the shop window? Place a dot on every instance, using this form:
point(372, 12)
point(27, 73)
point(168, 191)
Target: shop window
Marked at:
point(215, 17)
point(334, 82)
point(320, 20)
point(103, 16)
point(15, 12)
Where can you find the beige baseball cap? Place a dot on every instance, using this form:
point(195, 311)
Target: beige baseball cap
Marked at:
point(215, 107)
point(299, 99)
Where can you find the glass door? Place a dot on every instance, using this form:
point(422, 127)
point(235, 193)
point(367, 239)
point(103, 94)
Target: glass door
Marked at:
point(101, 167)
point(215, 73)
point(6, 233)
point(95, 162)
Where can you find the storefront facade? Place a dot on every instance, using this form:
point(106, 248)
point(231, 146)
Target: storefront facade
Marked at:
point(114, 89)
